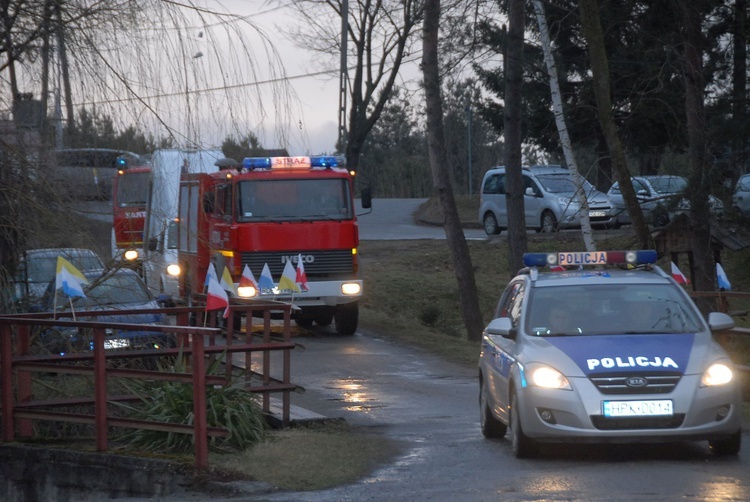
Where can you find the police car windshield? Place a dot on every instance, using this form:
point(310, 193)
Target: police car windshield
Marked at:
point(594, 309)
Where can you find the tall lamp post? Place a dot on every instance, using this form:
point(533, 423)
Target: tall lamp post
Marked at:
point(468, 140)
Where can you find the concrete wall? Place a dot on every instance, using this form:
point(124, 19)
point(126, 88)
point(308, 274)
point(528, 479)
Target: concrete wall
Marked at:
point(30, 474)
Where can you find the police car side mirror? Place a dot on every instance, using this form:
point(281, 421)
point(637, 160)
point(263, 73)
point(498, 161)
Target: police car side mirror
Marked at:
point(719, 321)
point(530, 192)
point(502, 326)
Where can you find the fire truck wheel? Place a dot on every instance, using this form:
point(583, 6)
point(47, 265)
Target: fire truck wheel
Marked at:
point(347, 317)
point(324, 319)
point(303, 322)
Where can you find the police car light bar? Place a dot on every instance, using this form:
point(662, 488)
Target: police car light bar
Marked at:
point(324, 161)
point(582, 258)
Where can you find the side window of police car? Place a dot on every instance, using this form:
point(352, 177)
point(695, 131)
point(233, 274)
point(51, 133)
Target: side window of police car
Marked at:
point(511, 302)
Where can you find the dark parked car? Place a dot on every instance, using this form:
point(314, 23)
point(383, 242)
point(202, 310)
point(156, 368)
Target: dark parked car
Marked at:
point(120, 290)
point(661, 198)
point(37, 267)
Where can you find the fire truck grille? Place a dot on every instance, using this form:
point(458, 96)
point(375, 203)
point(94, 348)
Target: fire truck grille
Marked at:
point(319, 264)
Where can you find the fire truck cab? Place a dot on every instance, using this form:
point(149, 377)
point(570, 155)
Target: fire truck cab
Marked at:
point(271, 212)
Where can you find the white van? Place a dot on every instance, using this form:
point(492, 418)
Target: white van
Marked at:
point(549, 198)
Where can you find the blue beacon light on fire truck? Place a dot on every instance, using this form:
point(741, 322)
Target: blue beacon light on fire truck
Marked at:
point(634, 258)
point(318, 162)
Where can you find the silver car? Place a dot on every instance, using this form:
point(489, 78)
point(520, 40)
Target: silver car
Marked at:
point(550, 201)
point(661, 197)
point(567, 359)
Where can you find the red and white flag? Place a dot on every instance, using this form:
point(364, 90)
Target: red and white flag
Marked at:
point(679, 276)
point(248, 279)
point(216, 297)
point(301, 278)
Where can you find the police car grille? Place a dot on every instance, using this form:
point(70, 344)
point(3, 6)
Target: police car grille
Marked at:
point(319, 264)
point(661, 383)
point(634, 423)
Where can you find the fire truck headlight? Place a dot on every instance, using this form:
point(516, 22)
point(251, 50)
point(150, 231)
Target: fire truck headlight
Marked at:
point(174, 270)
point(131, 254)
point(247, 291)
point(351, 288)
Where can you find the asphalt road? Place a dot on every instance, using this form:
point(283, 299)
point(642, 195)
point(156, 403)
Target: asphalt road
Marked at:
point(393, 219)
point(431, 406)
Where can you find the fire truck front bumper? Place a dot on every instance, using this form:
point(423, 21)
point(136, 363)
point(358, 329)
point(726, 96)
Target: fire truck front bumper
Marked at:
point(317, 294)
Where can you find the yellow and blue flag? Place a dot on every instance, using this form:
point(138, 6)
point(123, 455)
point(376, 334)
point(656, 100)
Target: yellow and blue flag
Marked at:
point(69, 278)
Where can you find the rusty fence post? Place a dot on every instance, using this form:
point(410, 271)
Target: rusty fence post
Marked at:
point(6, 386)
point(100, 390)
point(200, 428)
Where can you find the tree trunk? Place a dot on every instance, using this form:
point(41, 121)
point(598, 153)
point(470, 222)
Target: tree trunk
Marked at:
point(592, 31)
point(698, 186)
point(513, 61)
point(436, 144)
point(562, 129)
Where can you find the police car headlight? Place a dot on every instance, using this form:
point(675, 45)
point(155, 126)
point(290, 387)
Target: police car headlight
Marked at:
point(549, 378)
point(174, 270)
point(717, 374)
point(131, 254)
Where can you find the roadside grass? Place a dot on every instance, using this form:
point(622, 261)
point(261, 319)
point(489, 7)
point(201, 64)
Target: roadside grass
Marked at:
point(411, 296)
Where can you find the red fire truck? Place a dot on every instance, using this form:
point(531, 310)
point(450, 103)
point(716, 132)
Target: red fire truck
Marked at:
point(129, 199)
point(271, 211)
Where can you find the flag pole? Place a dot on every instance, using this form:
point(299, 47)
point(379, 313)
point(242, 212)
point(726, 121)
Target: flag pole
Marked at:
point(72, 310)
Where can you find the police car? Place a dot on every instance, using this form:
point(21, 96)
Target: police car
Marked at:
point(605, 347)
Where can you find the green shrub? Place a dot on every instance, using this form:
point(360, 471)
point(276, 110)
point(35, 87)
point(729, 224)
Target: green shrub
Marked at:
point(228, 406)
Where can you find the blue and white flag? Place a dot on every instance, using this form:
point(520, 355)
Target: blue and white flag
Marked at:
point(722, 279)
point(266, 280)
point(211, 272)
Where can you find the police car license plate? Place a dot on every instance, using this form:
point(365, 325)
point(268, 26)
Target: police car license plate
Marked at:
point(637, 408)
point(597, 214)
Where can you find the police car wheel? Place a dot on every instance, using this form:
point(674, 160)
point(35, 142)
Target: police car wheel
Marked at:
point(523, 446)
point(729, 446)
point(491, 427)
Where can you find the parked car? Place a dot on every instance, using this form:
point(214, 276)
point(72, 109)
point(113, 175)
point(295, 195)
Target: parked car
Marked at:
point(741, 195)
point(120, 290)
point(37, 267)
point(661, 197)
point(550, 201)
point(600, 353)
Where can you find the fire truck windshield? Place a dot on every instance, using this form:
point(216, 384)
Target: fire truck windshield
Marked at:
point(132, 189)
point(294, 199)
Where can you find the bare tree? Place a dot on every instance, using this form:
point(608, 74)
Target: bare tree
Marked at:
point(436, 145)
point(517, 243)
point(380, 34)
point(592, 30)
point(562, 129)
point(692, 13)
